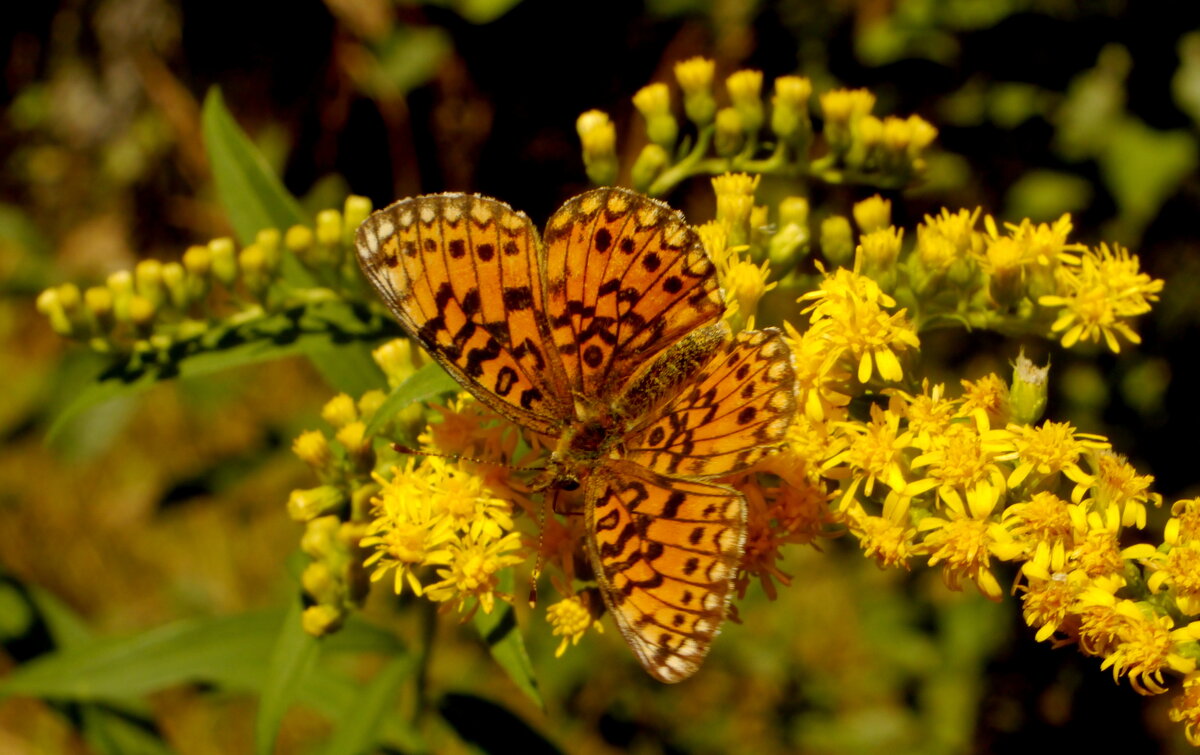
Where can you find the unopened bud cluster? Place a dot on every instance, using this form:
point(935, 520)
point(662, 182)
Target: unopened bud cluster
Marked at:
point(158, 305)
point(748, 135)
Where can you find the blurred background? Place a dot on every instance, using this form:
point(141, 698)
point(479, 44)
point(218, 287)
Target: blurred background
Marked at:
point(171, 504)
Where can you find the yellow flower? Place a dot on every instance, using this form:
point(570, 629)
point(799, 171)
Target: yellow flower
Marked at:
point(965, 541)
point(929, 413)
point(570, 618)
point(408, 531)
point(880, 248)
point(961, 459)
point(1048, 602)
point(1098, 295)
point(340, 411)
point(888, 540)
point(744, 284)
point(471, 569)
point(1115, 483)
point(1049, 449)
point(987, 397)
point(1178, 569)
point(873, 213)
point(1186, 708)
point(857, 325)
point(1097, 552)
point(875, 451)
point(1184, 524)
point(1043, 527)
point(1145, 646)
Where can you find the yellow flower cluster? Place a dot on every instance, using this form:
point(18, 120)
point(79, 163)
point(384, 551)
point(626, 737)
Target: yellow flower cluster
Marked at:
point(862, 147)
point(437, 514)
point(213, 289)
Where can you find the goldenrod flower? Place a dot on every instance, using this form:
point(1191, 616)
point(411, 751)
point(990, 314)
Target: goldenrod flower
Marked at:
point(1049, 449)
point(1097, 552)
point(570, 619)
point(1177, 570)
point(1115, 483)
point(1186, 708)
point(987, 398)
point(1184, 524)
point(1030, 386)
point(745, 92)
point(887, 539)
point(1048, 601)
point(409, 530)
point(695, 77)
point(961, 459)
point(1099, 295)
point(599, 139)
point(817, 373)
point(312, 447)
point(965, 541)
point(471, 567)
point(875, 452)
point(873, 213)
point(929, 413)
point(1143, 646)
point(340, 411)
point(879, 249)
point(858, 325)
point(1043, 528)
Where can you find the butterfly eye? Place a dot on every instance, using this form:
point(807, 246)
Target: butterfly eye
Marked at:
point(568, 484)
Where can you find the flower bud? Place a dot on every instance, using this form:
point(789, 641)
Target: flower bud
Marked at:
point(318, 581)
point(252, 263)
point(599, 140)
point(149, 284)
point(49, 303)
point(358, 444)
point(268, 240)
point(298, 240)
point(369, 403)
point(120, 284)
point(1027, 395)
point(648, 166)
point(224, 264)
point(99, 302)
point(837, 240)
point(329, 227)
point(872, 214)
point(355, 211)
point(745, 92)
point(398, 359)
point(842, 109)
point(306, 505)
point(339, 411)
point(654, 103)
point(174, 279)
point(695, 77)
point(789, 111)
point(322, 619)
point(312, 447)
point(730, 135)
point(320, 537)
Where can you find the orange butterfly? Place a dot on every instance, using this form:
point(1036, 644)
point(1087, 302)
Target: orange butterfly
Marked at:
point(606, 335)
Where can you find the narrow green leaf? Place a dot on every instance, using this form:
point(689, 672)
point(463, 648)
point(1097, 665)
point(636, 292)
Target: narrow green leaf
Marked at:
point(110, 733)
point(255, 199)
point(220, 650)
point(66, 627)
point(428, 382)
point(360, 731)
point(250, 193)
point(500, 631)
point(292, 659)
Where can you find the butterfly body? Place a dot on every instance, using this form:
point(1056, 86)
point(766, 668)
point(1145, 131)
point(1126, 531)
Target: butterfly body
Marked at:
point(606, 336)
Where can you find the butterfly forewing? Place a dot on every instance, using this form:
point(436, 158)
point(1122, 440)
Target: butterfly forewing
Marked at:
point(665, 551)
point(625, 278)
point(731, 415)
point(460, 274)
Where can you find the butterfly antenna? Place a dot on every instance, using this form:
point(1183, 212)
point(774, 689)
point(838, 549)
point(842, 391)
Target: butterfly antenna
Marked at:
point(537, 564)
point(402, 449)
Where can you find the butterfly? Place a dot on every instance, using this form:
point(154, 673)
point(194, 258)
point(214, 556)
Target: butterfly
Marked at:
point(606, 335)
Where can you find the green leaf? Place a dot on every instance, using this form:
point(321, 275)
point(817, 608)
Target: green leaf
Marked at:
point(1143, 167)
point(250, 193)
point(292, 659)
point(360, 731)
point(221, 650)
point(428, 382)
point(330, 333)
point(255, 199)
point(66, 627)
point(499, 630)
point(110, 733)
